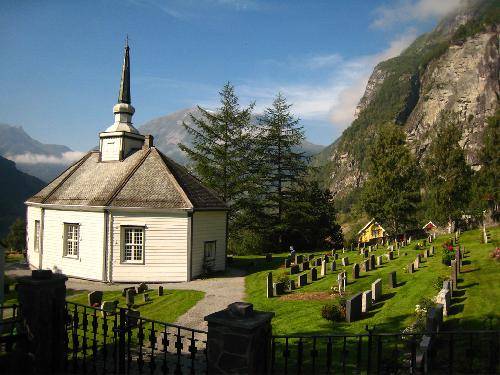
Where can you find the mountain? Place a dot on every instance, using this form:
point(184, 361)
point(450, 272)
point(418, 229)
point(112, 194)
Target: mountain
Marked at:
point(453, 69)
point(45, 161)
point(16, 186)
point(168, 132)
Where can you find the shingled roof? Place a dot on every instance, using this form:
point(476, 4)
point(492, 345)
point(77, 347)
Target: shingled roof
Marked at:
point(146, 179)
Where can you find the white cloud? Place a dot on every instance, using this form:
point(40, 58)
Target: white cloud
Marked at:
point(409, 10)
point(336, 99)
point(66, 158)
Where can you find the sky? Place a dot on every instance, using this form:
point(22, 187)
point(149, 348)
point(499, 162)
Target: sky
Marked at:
point(61, 60)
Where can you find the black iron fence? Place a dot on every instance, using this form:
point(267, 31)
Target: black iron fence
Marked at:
point(9, 334)
point(387, 353)
point(100, 341)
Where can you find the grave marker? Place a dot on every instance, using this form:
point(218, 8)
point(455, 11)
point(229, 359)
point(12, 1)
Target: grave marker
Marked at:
point(299, 259)
point(392, 279)
point(345, 261)
point(95, 298)
point(365, 266)
point(355, 271)
point(302, 280)
point(333, 266)
point(160, 291)
point(323, 268)
point(377, 290)
point(372, 262)
point(142, 288)
point(410, 268)
point(353, 308)
point(269, 284)
point(294, 269)
point(366, 303)
point(379, 260)
point(287, 263)
point(444, 298)
point(304, 266)
point(129, 298)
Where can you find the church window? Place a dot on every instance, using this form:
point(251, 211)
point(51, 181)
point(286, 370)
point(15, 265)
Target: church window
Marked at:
point(37, 236)
point(71, 240)
point(133, 244)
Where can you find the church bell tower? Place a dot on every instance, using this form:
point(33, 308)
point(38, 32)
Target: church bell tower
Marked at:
point(121, 139)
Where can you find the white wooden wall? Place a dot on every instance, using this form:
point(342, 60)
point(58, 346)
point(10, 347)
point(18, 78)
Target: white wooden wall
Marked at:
point(89, 264)
point(165, 244)
point(33, 214)
point(208, 226)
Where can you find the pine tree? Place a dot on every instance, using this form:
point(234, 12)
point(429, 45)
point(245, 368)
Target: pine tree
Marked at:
point(392, 192)
point(16, 238)
point(448, 177)
point(221, 149)
point(281, 162)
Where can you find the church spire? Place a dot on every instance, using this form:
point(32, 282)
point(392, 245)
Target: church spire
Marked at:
point(124, 95)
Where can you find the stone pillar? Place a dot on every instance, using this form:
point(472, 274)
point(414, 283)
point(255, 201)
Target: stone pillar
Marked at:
point(42, 300)
point(239, 340)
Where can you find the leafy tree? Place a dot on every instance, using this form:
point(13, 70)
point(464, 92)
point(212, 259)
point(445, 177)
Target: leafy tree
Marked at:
point(486, 191)
point(222, 148)
point(391, 193)
point(282, 164)
point(16, 238)
point(310, 215)
point(448, 177)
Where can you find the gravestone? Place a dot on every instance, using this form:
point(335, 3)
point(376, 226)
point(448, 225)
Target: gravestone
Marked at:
point(410, 268)
point(318, 262)
point(372, 262)
point(269, 257)
point(146, 297)
point(458, 256)
point(355, 271)
point(291, 285)
point(302, 280)
point(323, 268)
point(365, 253)
point(132, 318)
point(124, 291)
point(416, 263)
point(392, 279)
point(269, 284)
point(390, 255)
point(345, 261)
point(426, 253)
point(447, 284)
point(432, 250)
point(379, 260)
point(370, 248)
point(129, 298)
point(365, 266)
point(326, 258)
point(366, 301)
point(333, 266)
point(299, 259)
point(353, 308)
point(294, 269)
point(278, 289)
point(304, 266)
point(336, 256)
point(434, 318)
point(444, 298)
point(314, 274)
point(142, 288)
point(160, 291)
point(342, 281)
point(95, 298)
point(288, 262)
point(311, 257)
point(454, 274)
point(109, 307)
point(377, 290)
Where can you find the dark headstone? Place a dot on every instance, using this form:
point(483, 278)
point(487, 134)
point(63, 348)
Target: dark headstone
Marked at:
point(333, 266)
point(287, 262)
point(142, 288)
point(326, 258)
point(302, 280)
point(95, 298)
point(314, 274)
point(304, 266)
point(269, 285)
point(129, 297)
point(365, 266)
point(294, 268)
point(310, 257)
point(372, 261)
point(160, 291)
point(353, 308)
point(318, 262)
point(124, 291)
point(291, 285)
point(278, 289)
point(345, 261)
point(366, 301)
point(365, 253)
point(454, 274)
point(355, 271)
point(145, 297)
point(299, 259)
point(379, 260)
point(377, 290)
point(392, 283)
point(390, 255)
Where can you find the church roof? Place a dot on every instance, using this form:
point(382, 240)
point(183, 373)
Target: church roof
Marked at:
point(145, 179)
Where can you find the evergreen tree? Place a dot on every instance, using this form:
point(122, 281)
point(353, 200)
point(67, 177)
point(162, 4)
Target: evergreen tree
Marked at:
point(448, 177)
point(392, 192)
point(221, 149)
point(281, 162)
point(16, 238)
point(310, 215)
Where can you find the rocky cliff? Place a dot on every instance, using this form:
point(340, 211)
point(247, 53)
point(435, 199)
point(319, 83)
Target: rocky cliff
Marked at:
point(453, 69)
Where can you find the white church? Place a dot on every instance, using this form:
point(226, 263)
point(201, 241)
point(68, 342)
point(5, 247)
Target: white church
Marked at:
point(126, 213)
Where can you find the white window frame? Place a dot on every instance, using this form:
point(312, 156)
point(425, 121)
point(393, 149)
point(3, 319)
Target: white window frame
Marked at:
point(71, 243)
point(36, 236)
point(133, 245)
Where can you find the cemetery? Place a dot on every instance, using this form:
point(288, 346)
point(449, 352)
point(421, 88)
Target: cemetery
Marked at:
point(470, 299)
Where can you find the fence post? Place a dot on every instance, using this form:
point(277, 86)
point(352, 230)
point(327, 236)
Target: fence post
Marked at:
point(122, 326)
point(42, 300)
point(239, 340)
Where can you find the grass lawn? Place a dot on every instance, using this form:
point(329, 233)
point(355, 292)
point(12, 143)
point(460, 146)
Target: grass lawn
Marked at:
point(478, 297)
point(166, 308)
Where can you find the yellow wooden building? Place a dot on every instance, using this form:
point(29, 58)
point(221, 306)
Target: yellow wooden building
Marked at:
point(371, 232)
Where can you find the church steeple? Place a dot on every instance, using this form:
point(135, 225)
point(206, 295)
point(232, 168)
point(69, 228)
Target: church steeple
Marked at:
point(124, 95)
point(122, 138)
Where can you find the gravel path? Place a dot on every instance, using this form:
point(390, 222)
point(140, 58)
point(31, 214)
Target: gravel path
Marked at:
point(219, 292)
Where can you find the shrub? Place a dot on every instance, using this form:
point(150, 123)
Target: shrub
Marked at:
point(283, 277)
point(438, 283)
point(331, 312)
point(447, 257)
